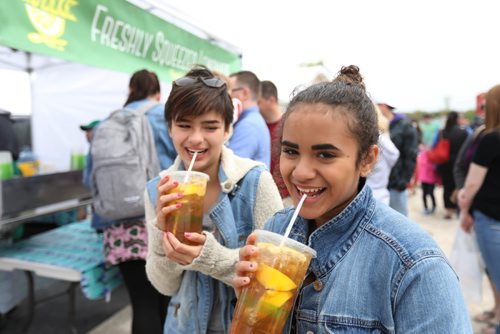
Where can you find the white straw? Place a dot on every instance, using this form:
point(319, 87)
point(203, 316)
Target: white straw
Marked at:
point(295, 214)
point(186, 178)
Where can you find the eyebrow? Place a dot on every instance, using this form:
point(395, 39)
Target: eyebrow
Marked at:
point(317, 147)
point(324, 147)
point(214, 121)
point(289, 144)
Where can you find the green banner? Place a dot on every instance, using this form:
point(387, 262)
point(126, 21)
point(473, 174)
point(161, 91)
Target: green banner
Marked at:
point(109, 34)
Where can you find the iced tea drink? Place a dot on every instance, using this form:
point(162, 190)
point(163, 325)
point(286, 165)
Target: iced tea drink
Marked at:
point(189, 217)
point(264, 305)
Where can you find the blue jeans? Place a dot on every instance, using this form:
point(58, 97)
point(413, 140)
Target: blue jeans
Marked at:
point(488, 239)
point(399, 201)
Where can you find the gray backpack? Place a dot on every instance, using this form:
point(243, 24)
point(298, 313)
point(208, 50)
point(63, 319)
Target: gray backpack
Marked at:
point(124, 158)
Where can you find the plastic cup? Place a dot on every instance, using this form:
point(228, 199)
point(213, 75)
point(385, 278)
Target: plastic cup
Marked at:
point(6, 168)
point(189, 217)
point(78, 161)
point(264, 305)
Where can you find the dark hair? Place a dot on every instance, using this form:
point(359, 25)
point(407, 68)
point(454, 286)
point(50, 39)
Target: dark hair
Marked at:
point(142, 84)
point(249, 80)
point(492, 115)
point(348, 96)
point(268, 89)
point(451, 120)
point(197, 99)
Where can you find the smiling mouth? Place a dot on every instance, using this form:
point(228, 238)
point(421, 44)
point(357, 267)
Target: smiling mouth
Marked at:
point(196, 151)
point(310, 192)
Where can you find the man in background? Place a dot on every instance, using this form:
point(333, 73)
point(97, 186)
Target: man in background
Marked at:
point(250, 138)
point(405, 137)
point(270, 110)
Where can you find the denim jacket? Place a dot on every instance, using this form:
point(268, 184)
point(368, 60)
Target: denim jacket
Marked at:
point(376, 272)
point(248, 197)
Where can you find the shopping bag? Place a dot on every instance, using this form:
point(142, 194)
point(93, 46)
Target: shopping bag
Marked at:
point(466, 259)
point(441, 152)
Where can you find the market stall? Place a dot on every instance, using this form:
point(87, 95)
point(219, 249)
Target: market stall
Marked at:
point(79, 56)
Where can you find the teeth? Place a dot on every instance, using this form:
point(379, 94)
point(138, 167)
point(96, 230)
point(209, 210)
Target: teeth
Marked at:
point(310, 191)
point(196, 151)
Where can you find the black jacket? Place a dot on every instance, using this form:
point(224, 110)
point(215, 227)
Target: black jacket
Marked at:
point(405, 137)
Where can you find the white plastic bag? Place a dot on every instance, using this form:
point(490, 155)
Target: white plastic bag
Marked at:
point(466, 259)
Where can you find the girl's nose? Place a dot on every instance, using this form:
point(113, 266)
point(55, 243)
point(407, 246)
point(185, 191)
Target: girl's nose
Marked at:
point(303, 170)
point(196, 137)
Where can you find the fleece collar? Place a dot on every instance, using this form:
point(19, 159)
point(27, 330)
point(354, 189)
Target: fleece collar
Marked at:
point(231, 169)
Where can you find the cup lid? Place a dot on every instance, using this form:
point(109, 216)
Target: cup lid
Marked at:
point(276, 239)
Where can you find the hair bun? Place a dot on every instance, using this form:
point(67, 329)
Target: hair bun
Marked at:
point(350, 75)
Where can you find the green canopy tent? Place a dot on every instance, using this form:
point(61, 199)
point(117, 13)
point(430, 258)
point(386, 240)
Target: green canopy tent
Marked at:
point(80, 55)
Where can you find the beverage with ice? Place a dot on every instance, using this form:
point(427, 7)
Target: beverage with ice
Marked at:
point(264, 305)
point(189, 217)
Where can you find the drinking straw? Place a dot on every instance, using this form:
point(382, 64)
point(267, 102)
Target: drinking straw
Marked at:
point(186, 178)
point(295, 214)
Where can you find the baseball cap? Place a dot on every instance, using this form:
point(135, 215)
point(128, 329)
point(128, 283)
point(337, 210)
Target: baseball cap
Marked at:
point(387, 104)
point(89, 126)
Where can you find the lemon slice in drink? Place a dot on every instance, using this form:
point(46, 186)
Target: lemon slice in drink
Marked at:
point(276, 298)
point(189, 189)
point(273, 279)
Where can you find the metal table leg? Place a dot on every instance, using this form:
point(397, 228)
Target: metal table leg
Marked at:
point(31, 301)
point(72, 306)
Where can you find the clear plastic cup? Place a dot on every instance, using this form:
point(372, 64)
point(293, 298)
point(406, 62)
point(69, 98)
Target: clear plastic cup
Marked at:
point(6, 168)
point(189, 217)
point(264, 305)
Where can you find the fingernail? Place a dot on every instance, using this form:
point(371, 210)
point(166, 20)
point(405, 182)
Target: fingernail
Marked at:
point(251, 265)
point(180, 195)
point(178, 205)
point(187, 234)
point(176, 183)
point(166, 178)
point(246, 280)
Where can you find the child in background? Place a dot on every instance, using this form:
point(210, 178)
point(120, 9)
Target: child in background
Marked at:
point(428, 177)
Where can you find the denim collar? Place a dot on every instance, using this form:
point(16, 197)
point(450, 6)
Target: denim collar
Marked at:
point(333, 239)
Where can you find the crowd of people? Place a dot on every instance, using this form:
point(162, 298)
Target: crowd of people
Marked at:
point(356, 159)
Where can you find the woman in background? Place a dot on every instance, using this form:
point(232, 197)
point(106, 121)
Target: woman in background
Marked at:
point(479, 199)
point(456, 135)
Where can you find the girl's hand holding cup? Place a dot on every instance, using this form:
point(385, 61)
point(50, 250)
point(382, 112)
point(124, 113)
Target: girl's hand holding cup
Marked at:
point(245, 268)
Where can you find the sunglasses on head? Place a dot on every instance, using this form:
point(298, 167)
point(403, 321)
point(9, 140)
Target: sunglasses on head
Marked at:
point(209, 82)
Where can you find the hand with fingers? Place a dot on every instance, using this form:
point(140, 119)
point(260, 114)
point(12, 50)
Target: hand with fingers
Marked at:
point(173, 248)
point(245, 268)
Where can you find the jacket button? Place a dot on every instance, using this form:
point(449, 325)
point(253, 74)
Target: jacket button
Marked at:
point(309, 332)
point(318, 285)
point(227, 185)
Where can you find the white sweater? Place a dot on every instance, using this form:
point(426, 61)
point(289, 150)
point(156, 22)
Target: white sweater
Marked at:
point(214, 260)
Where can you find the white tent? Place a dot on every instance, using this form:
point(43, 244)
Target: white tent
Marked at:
point(75, 86)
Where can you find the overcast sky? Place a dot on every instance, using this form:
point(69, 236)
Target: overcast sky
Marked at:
point(414, 55)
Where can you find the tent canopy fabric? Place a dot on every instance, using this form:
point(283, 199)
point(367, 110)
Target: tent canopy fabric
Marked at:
point(115, 35)
point(80, 55)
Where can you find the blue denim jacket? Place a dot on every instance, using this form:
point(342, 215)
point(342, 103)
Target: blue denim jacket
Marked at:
point(164, 149)
point(376, 272)
point(190, 308)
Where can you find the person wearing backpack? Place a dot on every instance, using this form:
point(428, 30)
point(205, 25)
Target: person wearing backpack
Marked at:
point(240, 195)
point(456, 136)
point(127, 149)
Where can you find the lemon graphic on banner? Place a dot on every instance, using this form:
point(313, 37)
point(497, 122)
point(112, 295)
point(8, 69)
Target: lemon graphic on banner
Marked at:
point(49, 20)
